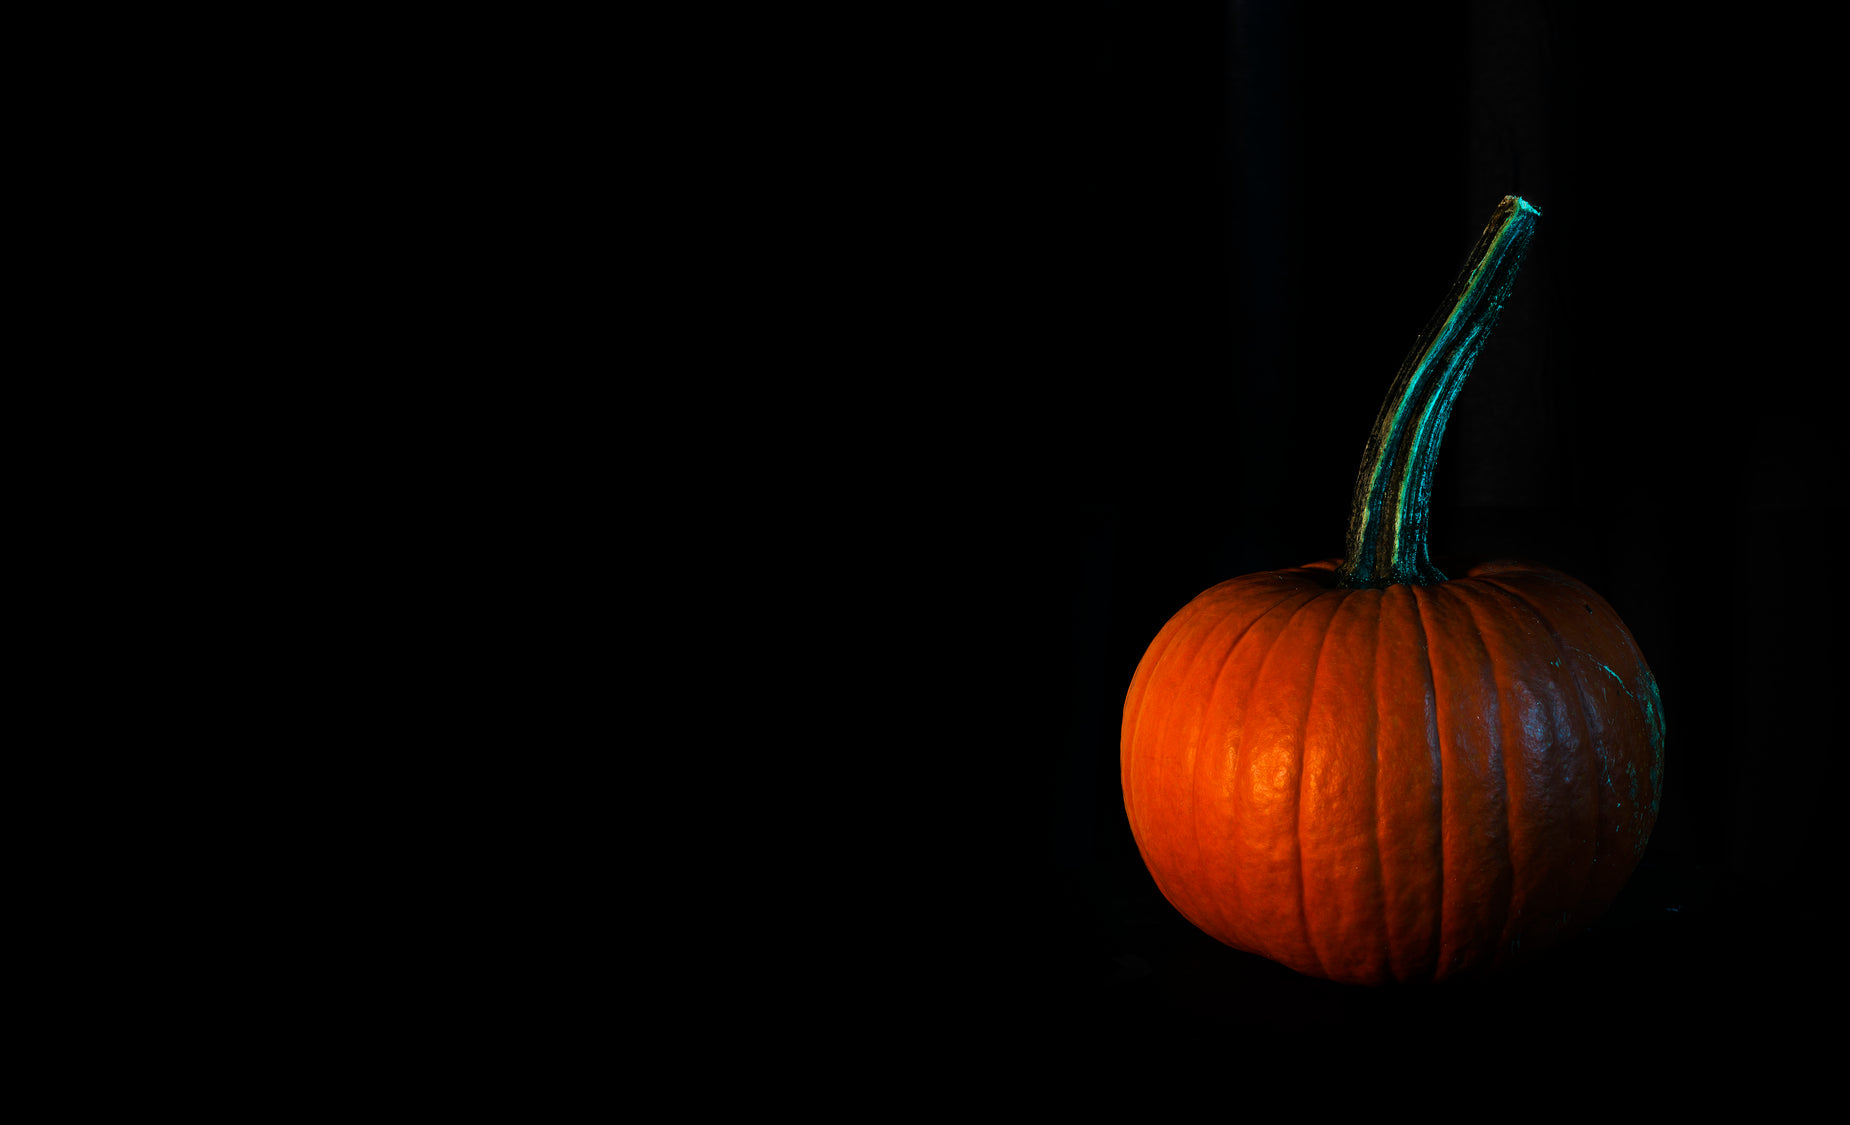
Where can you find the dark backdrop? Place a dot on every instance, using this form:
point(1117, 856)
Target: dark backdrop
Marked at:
point(1206, 236)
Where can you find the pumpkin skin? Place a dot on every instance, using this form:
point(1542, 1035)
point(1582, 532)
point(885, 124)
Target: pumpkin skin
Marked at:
point(1397, 784)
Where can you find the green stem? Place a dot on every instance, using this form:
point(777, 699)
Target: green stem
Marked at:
point(1387, 521)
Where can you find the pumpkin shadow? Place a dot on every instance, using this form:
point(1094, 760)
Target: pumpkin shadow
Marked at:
point(1147, 979)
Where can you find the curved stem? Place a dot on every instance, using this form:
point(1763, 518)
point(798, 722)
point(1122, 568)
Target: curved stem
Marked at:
point(1386, 544)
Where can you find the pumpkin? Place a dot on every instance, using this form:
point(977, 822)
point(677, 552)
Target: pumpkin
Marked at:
point(1370, 772)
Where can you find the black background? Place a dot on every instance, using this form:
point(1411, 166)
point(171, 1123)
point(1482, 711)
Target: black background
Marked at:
point(1196, 243)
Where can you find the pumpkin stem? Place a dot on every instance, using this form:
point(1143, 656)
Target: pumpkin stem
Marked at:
point(1386, 544)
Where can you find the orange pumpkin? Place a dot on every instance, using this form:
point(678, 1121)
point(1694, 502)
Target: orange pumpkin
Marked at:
point(1370, 772)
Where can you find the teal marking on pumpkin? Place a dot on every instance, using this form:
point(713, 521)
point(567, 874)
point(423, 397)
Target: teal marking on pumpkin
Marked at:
point(1620, 680)
point(1654, 724)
